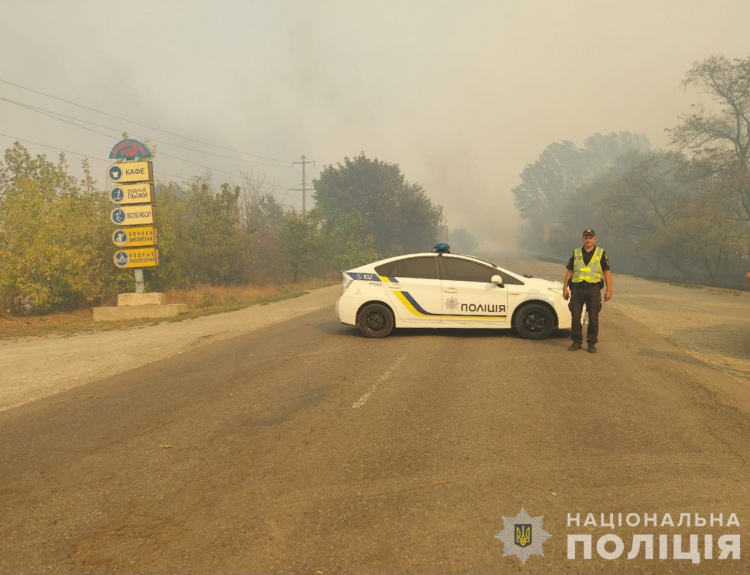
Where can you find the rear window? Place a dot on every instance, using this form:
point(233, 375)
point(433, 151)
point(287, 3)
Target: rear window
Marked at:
point(385, 269)
point(422, 268)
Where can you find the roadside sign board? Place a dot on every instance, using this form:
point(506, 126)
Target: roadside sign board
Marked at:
point(134, 237)
point(133, 194)
point(129, 149)
point(130, 172)
point(136, 258)
point(133, 215)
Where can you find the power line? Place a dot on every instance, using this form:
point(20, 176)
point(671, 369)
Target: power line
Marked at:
point(64, 118)
point(304, 183)
point(114, 137)
point(196, 164)
point(51, 115)
point(54, 148)
point(54, 117)
point(107, 161)
point(140, 124)
point(80, 154)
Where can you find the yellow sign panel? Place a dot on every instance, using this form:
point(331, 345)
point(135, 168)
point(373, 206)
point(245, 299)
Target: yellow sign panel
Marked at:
point(128, 172)
point(133, 215)
point(138, 236)
point(136, 258)
point(133, 194)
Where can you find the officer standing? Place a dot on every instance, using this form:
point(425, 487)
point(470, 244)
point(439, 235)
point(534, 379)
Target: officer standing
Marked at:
point(587, 271)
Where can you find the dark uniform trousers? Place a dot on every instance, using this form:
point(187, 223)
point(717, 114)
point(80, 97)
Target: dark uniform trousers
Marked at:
point(590, 295)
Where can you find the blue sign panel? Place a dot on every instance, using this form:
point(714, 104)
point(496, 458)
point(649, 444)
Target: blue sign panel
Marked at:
point(118, 215)
point(120, 237)
point(115, 173)
point(117, 195)
point(121, 259)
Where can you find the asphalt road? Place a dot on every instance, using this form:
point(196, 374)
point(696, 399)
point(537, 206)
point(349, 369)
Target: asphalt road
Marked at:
point(304, 447)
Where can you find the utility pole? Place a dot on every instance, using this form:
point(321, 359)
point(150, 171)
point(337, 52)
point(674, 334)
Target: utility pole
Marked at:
point(304, 183)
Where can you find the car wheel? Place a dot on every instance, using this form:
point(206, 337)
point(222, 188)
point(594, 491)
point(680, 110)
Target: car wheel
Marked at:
point(375, 320)
point(534, 321)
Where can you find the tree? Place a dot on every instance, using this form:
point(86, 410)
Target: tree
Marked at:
point(396, 214)
point(598, 203)
point(217, 247)
point(172, 226)
point(660, 220)
point(419, 221)
point(690, 241)
point(346, 245)
point(262, 217)
point(549, 184)
point(256, 187)
point(722, 135)
point(602, 152)
point(638, 207)
point(300, 240)
point(55, 250)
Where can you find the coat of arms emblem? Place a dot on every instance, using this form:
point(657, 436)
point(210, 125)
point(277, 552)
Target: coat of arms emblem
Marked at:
point(523, 536)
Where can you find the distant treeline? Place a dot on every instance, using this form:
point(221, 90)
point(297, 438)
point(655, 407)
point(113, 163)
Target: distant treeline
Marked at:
point(681, 213)
point(55, 232)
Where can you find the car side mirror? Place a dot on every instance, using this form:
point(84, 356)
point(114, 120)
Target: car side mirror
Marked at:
point(497, 280)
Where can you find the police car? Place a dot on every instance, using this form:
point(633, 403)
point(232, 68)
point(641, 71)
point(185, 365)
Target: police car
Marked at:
point(444, 290)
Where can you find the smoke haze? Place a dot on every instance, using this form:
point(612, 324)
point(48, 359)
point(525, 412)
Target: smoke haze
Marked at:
point(461, 95)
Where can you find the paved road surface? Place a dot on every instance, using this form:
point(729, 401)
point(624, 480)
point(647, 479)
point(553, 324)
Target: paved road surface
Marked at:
point(303, 447)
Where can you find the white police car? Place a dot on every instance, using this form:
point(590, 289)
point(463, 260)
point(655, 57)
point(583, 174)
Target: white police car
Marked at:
point(444, 290)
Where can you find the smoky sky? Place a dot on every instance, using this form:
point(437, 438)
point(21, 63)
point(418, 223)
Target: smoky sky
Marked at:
point(462, 95)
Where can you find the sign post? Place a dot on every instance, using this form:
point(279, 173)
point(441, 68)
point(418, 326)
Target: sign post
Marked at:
point(136, 258)
point(131, 190)
point(134, 237)
point(133, 193)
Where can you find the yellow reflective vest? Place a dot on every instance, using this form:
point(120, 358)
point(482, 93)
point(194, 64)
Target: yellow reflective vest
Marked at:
point(591, 273)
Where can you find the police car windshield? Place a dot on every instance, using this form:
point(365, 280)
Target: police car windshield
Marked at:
point(493, 264)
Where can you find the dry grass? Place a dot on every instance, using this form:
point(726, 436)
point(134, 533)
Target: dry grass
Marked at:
point(212, 297)
point(202, 300)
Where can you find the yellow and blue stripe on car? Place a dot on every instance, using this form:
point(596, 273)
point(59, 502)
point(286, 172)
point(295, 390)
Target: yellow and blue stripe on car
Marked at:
point(411, 304)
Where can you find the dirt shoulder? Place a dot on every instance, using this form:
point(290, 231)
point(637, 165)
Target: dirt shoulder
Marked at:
point(712, 324)
point(36, 367)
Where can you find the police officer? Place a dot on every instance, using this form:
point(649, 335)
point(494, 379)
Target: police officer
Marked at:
point(587, 270)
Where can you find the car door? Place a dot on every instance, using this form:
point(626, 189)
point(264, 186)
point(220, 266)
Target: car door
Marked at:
point(469, 297)
point(413, 287)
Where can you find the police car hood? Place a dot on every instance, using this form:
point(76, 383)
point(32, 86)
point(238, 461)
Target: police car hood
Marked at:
point(540, 284)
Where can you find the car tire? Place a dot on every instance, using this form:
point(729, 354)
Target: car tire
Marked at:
point(534, 321)
point(376, 320)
